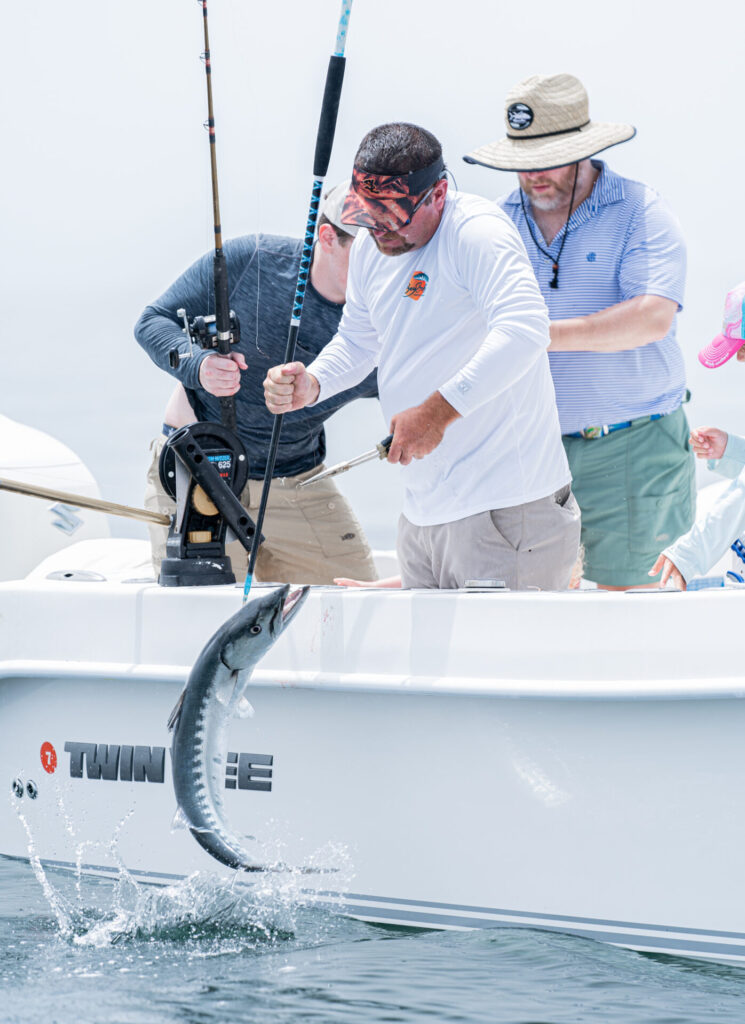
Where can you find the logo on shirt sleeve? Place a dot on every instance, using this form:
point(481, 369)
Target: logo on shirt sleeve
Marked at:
point(415, 287)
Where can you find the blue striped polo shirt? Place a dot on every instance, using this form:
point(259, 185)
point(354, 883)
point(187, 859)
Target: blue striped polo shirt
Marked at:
point(623, 241)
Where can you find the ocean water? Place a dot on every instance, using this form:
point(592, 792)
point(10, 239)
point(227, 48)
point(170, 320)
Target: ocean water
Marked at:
point(89, 951)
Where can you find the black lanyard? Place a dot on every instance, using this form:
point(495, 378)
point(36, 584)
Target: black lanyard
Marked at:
point(554, 282)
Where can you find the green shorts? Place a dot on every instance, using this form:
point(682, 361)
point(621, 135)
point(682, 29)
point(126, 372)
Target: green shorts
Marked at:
point(636, 489)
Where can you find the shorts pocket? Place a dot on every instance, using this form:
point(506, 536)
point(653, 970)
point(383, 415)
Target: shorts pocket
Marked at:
point(656, 521)
point(334, 525)
point(570, 509)
point(509, 524)
point(673, 430)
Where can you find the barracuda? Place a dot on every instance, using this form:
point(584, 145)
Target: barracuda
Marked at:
point(213, 695)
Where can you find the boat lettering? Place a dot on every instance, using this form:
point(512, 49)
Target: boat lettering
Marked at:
point(243, 771)
point(126, 763)
point(111, 761)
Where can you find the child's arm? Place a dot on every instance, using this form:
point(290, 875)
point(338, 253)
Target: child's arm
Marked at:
point(697, 551)
point(708, 442)
point(725, 452)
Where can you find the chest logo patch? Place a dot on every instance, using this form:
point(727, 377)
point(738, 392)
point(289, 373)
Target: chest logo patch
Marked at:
point(415, 287)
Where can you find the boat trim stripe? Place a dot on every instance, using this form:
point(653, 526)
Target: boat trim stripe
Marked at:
point(634, 934)
point(533, 915)
point(646, 942)
point(105, 868)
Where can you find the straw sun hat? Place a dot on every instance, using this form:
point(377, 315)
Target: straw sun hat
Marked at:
point(548, 125)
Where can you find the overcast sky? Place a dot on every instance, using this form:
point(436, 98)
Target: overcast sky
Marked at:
point(106, 189)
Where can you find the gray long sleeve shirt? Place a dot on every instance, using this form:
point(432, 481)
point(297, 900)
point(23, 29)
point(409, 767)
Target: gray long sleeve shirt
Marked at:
point(262, 274)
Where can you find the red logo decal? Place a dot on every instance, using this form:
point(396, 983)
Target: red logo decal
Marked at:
point(415, 287)
point(48, 758)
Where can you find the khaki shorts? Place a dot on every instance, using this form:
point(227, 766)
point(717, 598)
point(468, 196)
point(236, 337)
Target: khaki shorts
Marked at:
point(636, 488)
point(530, 546)
point(311, 535)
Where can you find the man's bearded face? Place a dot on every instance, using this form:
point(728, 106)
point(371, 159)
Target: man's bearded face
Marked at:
point(548, 190)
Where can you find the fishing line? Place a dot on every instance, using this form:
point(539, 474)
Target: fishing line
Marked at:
point(324, 143)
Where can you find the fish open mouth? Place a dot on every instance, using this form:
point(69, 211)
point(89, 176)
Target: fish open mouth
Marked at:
point(292, 603)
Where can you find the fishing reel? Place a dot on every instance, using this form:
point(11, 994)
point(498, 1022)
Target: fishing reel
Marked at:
point(204, 468)
point(202, 331)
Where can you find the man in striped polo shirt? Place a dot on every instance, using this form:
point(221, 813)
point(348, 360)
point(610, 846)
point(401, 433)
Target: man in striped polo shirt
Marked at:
point(610, 262)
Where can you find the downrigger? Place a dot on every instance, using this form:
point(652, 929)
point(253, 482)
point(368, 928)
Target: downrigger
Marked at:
point(204, 468)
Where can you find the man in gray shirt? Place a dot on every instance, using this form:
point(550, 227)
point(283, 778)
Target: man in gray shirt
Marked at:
point(312, 535)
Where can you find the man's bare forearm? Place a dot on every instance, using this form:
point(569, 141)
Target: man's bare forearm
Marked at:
point(626, 325)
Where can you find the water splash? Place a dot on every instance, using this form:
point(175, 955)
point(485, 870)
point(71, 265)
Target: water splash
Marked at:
point(215, 913)
point(200, 907)
point(58, 905)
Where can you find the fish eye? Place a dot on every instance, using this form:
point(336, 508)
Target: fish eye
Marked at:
point(256, 628)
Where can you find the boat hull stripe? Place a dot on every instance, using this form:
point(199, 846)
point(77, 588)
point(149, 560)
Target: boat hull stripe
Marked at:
point(624, 933)
point(533, 915)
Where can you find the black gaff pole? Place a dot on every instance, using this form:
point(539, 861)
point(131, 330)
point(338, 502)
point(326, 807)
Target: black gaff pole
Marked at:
point(220, 269)
point(324, 143)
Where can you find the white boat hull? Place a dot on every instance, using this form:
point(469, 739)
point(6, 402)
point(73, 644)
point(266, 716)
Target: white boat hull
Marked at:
point(33, 529)
point(444, 760)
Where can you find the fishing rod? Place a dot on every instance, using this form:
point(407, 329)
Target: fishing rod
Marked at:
point(324, 144)
point(219, 331)
point(82, 501)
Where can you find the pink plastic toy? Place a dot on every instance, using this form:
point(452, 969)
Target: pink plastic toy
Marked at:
point(724, 346)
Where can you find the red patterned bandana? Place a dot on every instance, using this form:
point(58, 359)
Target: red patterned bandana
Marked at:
point(378, 201)
point(385, 201)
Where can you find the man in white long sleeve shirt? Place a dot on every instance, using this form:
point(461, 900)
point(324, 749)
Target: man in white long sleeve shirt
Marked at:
point(442, 299)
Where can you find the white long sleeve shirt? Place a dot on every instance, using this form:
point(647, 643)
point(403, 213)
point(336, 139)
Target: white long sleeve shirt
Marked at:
point(463, 315)
point(708, 539)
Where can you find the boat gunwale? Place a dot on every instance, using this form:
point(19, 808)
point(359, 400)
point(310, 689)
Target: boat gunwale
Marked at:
point(695, 688)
